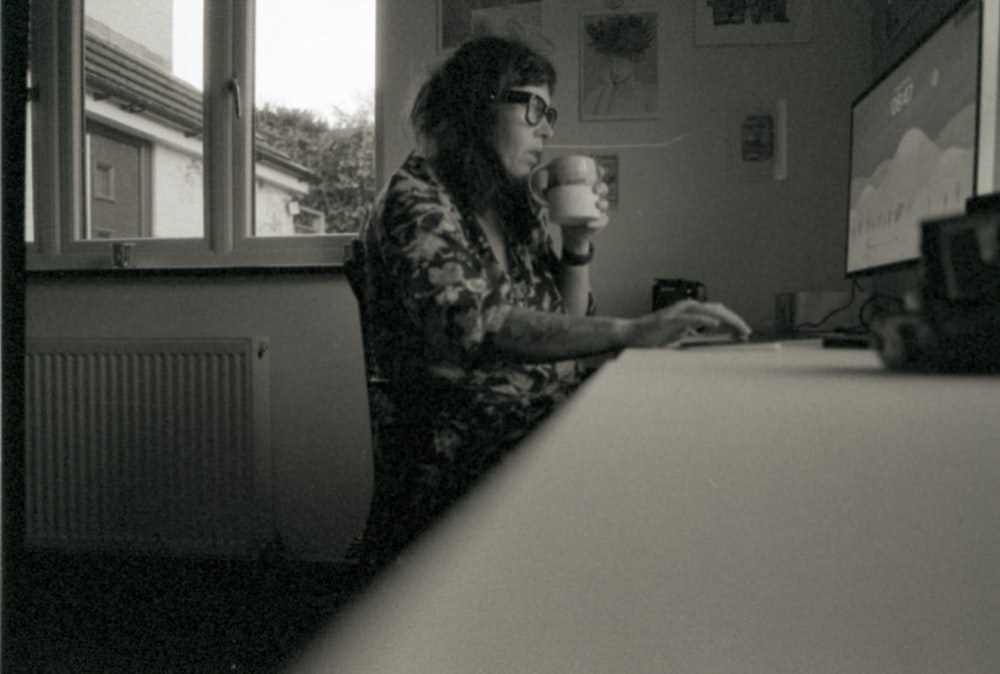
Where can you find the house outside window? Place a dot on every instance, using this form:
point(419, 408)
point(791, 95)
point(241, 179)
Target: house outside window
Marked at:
point(118, 170)
point(196, 175)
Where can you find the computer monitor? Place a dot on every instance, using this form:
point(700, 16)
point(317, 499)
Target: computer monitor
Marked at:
point(913, 145)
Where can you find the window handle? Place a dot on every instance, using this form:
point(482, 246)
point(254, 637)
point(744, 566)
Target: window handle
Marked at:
point(234, 86)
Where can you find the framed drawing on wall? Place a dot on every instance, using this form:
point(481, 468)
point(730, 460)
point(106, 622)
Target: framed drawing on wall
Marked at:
point(459, 20)
point(725, 22)
point(619, 65)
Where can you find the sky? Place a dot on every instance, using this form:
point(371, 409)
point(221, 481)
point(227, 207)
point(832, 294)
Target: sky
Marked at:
point(312, 54)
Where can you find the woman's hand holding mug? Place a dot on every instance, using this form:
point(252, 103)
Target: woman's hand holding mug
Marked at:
point(572, 189)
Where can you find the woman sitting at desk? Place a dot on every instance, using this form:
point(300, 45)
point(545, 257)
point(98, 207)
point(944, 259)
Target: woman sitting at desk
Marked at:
point(480, 326)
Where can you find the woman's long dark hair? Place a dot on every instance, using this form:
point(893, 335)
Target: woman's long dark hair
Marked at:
point(456, 112)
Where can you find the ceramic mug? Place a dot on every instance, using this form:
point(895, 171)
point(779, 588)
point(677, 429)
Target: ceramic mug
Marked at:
point(567, 186)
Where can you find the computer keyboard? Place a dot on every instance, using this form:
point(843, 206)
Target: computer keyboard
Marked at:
point(846, 341)
point(830, 340)
point(719, 339)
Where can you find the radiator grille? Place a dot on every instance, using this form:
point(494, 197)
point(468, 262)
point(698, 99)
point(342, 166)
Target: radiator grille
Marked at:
point(148, 445)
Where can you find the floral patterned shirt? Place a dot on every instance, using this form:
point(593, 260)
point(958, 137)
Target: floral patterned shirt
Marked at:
point(437, 297)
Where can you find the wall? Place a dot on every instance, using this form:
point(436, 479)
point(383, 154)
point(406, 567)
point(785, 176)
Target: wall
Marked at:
point(684, 212)
point(143, 27)
point(319, 416)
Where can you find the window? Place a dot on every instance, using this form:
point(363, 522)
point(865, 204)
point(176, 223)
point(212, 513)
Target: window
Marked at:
point(230, 152)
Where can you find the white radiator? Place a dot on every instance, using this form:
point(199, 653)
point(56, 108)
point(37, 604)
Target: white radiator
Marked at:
point(152, 446)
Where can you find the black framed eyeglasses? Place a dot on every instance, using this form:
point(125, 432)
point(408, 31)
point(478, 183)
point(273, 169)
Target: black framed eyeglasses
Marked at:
point(536, 108)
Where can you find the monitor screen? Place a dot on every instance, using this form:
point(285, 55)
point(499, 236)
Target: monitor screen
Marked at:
point(913, 145)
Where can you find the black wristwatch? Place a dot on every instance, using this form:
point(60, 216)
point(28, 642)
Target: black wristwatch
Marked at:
point(574, 260)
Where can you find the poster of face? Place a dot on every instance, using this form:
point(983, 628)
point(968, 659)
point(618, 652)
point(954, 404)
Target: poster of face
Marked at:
point(459, 20)
point(619, 65)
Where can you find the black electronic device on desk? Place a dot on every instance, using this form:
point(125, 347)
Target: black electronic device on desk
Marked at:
point(956, 328)
point(667, 291)
point(846, 340)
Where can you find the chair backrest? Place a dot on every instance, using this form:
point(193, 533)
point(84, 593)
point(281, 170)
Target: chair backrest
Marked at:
point(399, 440)
point(354, 268)
point(356, 273)
point(388, 528)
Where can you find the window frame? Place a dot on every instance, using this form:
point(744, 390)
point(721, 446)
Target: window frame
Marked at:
point(58, 154)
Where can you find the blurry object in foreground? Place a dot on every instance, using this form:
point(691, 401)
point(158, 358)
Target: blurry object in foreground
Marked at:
point(956, 328)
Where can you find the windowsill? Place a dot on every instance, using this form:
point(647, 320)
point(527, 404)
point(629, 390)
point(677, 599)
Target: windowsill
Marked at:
point(186, 272)
point(195, 256)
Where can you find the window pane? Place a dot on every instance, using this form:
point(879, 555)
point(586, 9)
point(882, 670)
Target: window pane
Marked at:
point(143, 152)
point(314, 115)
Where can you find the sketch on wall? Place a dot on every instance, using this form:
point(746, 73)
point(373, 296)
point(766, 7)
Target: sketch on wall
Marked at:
point(619, 65)
point(459, 20)
point(720, 22)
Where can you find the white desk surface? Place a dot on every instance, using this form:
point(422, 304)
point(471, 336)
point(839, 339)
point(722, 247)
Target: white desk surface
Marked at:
point(715, 510)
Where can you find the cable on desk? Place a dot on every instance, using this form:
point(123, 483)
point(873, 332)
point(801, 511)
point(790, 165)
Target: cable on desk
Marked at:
point(855, 286)
point(895, 306)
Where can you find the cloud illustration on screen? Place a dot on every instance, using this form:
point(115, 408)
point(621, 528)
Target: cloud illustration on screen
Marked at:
point(925, 178)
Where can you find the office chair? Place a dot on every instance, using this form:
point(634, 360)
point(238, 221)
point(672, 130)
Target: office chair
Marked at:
point(355, 271)
point(397, 440)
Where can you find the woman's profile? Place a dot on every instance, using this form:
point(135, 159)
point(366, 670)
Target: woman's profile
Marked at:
point(480, 324)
